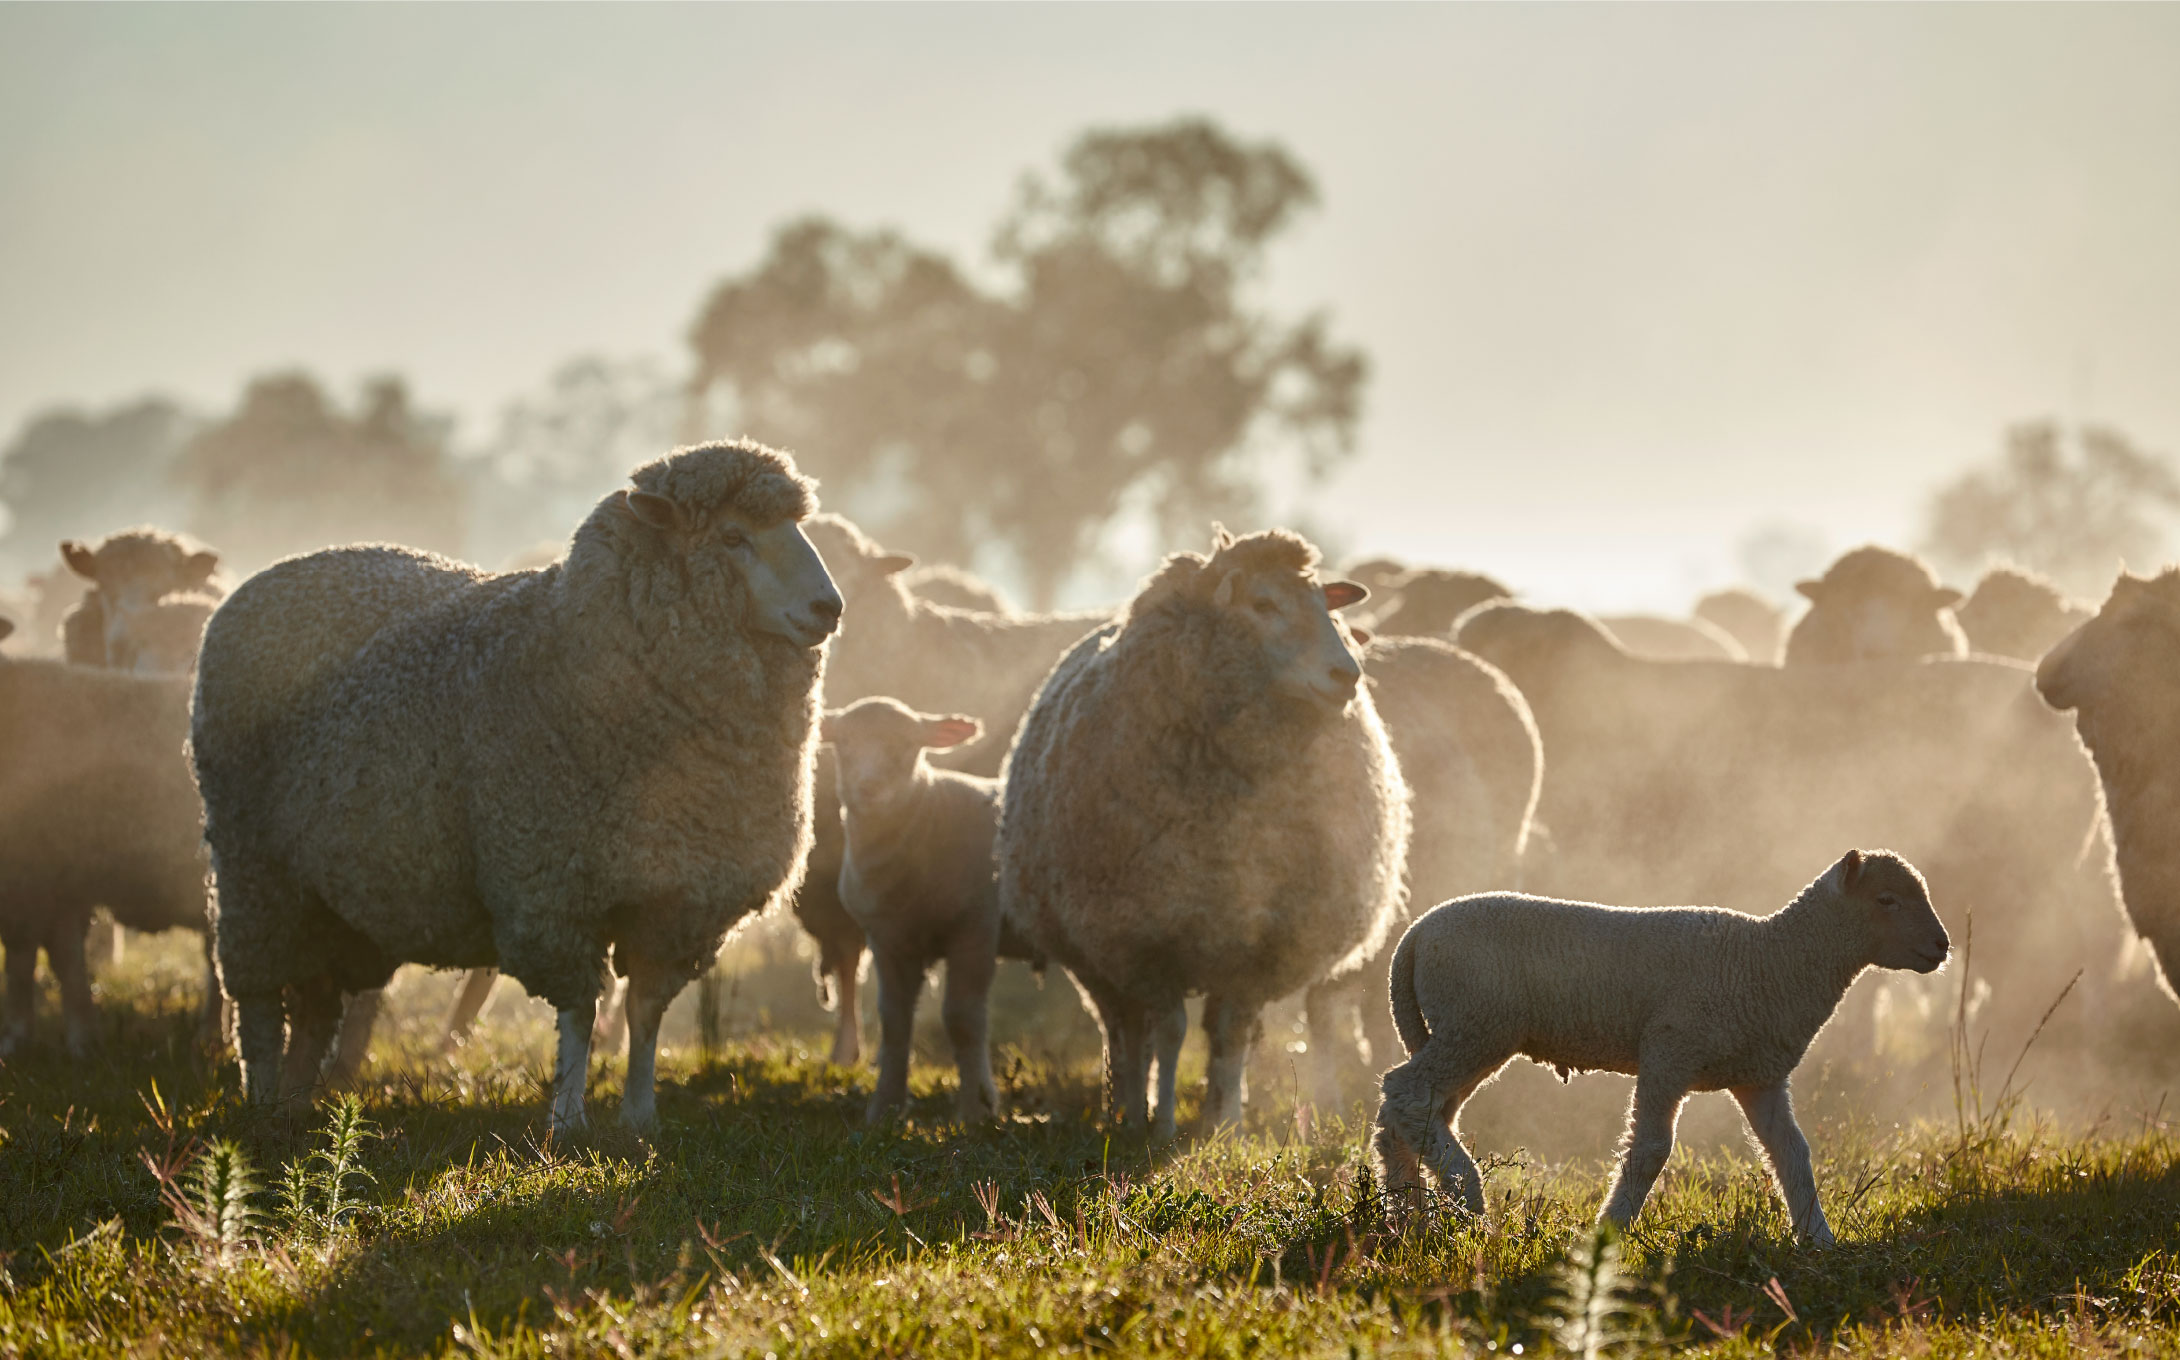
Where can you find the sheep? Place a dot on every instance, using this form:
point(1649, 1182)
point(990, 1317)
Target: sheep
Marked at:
point(1673, 639)
point(955, 588)
point(2119, 674)
point(1750, 619)
point(162, 639)
point(1428, 600)
point(1682, 999)
point(917, 877)
point(406, 759)
point(129, 572)
point(96, 809)
point(1378, 575)
point(1873, 603)
point(2015, 613)
point(1709, 782)
point(1203, 800)
point(1470, 753)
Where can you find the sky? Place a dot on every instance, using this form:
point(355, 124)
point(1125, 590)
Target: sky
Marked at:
point(1634, 280)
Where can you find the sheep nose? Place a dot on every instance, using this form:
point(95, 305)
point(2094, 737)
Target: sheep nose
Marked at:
point(1346, 675)
point(827, 609)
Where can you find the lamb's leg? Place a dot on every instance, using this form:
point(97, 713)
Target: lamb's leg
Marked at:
point(22, 1015)
point(571, 1068)
point(1421, 1111)
point(468, 1005)
point(72, 971)
point(970, 964)
point(1163, 1043)
point(613, 1019)
point(644, 1002)
point(1650, 1119)
point(352, 1043)
point(900, 982)
point(847, 1023)
point(1231, 1028)
point(314, 1015)
point(1770, 1112)
point(260, 1033)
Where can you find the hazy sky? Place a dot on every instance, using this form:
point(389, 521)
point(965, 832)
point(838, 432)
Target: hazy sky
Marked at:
point(1634, 279)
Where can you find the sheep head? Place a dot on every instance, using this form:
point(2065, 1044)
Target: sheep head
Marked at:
point(2130, 650)
point(878, 745)
point(1875, 602)
point(1889, 898)
point(134, 570)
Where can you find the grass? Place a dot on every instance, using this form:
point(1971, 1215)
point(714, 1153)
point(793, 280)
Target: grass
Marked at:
point(143, 1210)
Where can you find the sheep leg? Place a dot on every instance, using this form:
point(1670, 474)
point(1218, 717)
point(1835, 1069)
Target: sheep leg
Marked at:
point(352, 1042)
point(900, 982)
point(22, 994)
point(1770, 1113)
point(1125, 1078)
point(212, 1022)
point(1327, 1006)
point(613, 1020)
point(260, 1033)
point(314, 1017)
point(1231, 1028)
point(970, 965)
point(847, 1024)
point(468, 1005)
point(65, 953)
point(644, 1002)
point(1163, 1044)
point(1652, 1112)
point(1419, 1116)
point(571, 1068)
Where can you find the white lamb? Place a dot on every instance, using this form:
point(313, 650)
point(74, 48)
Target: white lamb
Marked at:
point(1683, 999)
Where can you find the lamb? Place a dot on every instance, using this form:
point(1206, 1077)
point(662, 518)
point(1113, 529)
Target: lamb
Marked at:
point(96, 809)
point(2014, 613)
point(1872, 603)
point(917, 877)
point(130, 572)
point(1678, 781)
point(1470, 753)
point(2120, 675)
point(1682, 999)
point(1203, 800)
point(955, 588)
point(1750, 619)
point(1428, 600)
point(405, 759)
point(1673, 639)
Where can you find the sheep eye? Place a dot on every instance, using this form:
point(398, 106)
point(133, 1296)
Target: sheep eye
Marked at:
point(733, 538)
point(1266, 607)
point(1889, 902)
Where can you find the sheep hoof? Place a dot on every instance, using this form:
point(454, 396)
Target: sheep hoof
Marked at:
point(640, 1119)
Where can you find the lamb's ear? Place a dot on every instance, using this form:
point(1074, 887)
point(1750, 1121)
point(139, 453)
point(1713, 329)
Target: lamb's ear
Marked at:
point(953, 730)
point(80, 559)
point(1361, 636)
point(657, 511)
point(1811, 590)
point(1341, 594)
point(1945, 597)
point(7, 626)
point(1224, 595)
point(199, 566)
point(1219, 537)
point(1850, 869)
point(893, 564)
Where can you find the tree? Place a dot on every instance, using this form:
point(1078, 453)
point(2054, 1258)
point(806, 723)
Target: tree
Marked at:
point(1120, 362)
point(78, 474)
point(290, 471)
point(2075, 514)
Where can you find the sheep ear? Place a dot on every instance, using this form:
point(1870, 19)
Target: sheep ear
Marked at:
point(1224, 595)
point(1341, 594)
point(1945, 597)
point(656, 511)
point(80, 559)
point(1810, 589)
point(952, 730)
point(1219, 537)
point(1850, 869)
point(893, 564)
point(1361, 636)
point(7, 626)
point(199, 566)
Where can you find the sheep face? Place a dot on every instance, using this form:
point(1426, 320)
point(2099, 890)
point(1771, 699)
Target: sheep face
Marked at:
point(1290, 616)
point(1875, 603)
point(2128, 649)
point(1894, 905)
point(878, 745)
point(134, 571)
point(790, 594)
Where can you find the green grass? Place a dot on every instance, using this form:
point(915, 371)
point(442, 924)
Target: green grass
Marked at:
point(766, 1220)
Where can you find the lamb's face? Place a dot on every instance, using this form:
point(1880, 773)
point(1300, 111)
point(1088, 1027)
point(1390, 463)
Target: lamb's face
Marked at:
point(2132, 646)
point(1290, 615)
point(133, 573)
point(1904, 928)
point(878, 744)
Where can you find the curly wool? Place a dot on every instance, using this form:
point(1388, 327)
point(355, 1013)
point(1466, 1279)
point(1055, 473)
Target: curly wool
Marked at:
point(405, 759)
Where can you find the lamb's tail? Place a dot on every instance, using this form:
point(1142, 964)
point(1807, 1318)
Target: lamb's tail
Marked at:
point(1407, 1013)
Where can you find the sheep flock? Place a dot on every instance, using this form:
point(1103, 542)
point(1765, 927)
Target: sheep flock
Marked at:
point(1454, 825)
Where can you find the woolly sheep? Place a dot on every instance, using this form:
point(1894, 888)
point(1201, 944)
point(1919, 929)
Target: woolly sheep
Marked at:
point(1679, 781)
point(96, 809)
point(1750, 619)
point(955, 588)
point(405, 759)
point(2120, 675)
point(917, 877)
point(1682, 999)
point(1673, 639)
point(1872, 603)
point(1427, 601)
point(129, 572)
point(2015, 613)
point(1470, 753)
point(1202, 800)
point(1377, 575)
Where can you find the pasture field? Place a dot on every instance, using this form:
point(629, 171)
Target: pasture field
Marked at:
point(429, 1218)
